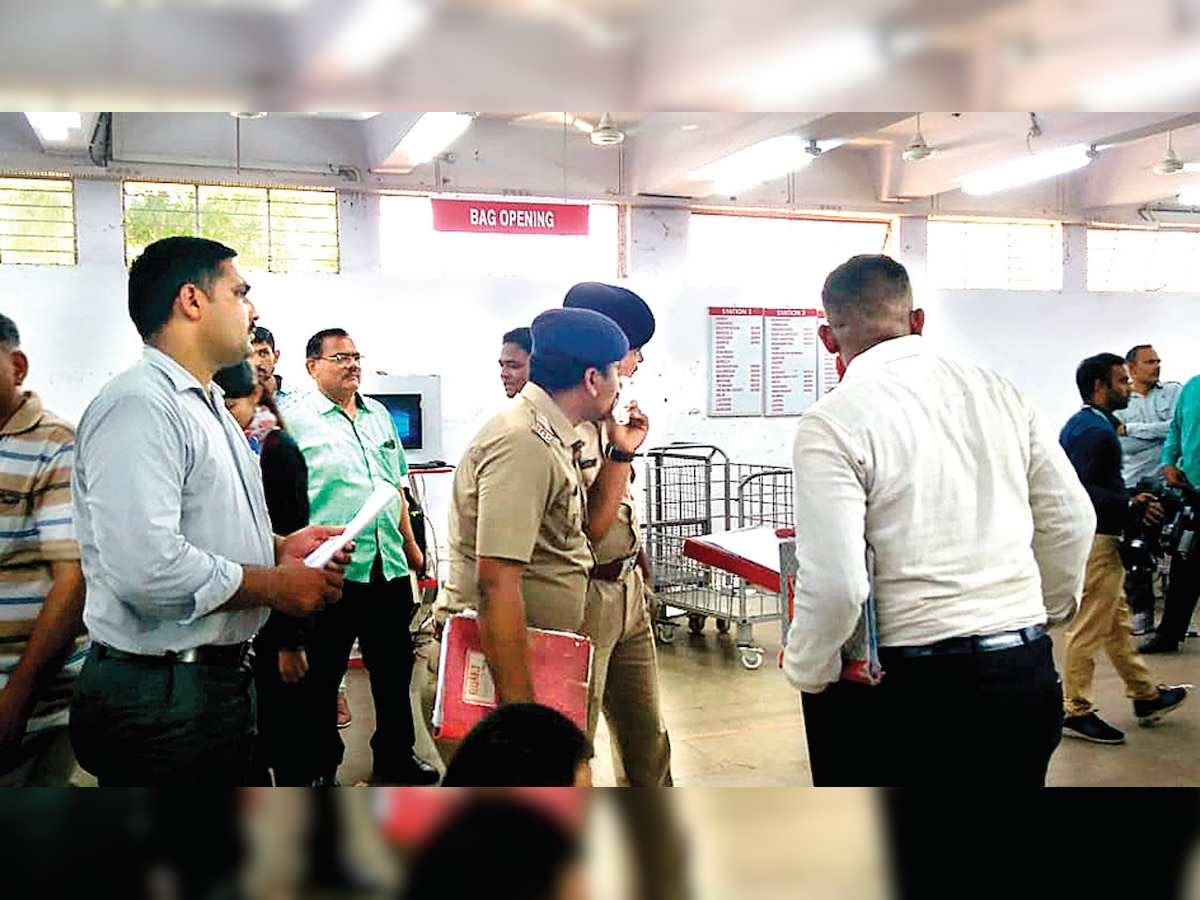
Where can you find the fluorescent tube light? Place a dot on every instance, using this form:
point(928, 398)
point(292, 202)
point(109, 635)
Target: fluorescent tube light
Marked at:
point(1189, 197)
point(758, 163)
point(433, 133)
point(54, 126)
point(1028, 169)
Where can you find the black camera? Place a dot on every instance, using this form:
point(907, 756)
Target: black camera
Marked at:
point(1174, 535)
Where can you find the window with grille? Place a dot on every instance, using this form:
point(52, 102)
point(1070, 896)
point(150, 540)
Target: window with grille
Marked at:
point(409, 244)
point(798, 253)
point(37, 221)
point(1001, 255)
point(1127, 259)
point(272, 229)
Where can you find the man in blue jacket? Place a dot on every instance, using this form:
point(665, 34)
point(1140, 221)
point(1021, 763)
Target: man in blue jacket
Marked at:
point(1091, 442)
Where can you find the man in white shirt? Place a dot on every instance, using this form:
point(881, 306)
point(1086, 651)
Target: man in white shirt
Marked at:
point(1142, 433)
point(980, 532)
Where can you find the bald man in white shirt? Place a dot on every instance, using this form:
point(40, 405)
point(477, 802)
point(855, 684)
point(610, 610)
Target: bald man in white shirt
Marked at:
point(980, 531)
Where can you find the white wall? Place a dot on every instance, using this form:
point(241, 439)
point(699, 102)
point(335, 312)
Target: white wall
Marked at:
point(77, 332)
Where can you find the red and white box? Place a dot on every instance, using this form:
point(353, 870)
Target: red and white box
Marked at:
point(561, 664)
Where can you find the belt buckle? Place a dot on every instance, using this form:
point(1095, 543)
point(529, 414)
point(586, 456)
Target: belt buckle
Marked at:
point(627, 565)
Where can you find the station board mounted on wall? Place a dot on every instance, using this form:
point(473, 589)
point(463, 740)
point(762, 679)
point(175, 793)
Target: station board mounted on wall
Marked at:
point(766, 361)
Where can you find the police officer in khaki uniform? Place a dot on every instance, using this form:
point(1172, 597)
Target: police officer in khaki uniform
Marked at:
point(518, 551)
point(617, 618)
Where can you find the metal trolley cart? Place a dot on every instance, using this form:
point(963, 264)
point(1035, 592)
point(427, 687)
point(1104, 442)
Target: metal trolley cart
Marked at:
point(694, 490)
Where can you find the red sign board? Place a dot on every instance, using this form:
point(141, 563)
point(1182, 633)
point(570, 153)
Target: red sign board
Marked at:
point(490, 217)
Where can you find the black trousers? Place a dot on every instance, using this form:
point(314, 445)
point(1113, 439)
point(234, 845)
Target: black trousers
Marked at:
point(378, 613)
point(292, 720)
point(971, 719)
point(1139, 591)
point(153, 724)
point(1183, 587)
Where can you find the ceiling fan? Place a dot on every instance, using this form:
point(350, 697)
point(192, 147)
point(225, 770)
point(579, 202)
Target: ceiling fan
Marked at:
point(918, 148)
point(1172, 163)
point(602, 133)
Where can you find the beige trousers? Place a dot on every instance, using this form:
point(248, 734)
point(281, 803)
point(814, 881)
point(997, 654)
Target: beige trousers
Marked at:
point(1102, 623)
point(625, 681)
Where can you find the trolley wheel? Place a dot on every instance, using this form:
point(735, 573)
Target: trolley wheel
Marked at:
point(695, 623)
point(723, 626)
point(665, 632)
point(752, 657)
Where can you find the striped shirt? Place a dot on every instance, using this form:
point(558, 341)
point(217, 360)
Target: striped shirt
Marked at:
point(36, 530)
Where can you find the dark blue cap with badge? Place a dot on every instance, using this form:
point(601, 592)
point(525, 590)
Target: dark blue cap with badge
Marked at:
point(580, 335)
point(620, 304)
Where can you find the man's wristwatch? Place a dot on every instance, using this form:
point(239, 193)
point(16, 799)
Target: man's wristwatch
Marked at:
point(617, 455)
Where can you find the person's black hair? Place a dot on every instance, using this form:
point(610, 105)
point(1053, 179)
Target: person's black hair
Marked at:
point(236, 381)
point(9, 336)
point(522, 337)
point(263, 336)
point(519, 745)
point(1093, 369)
point(157, 276)
point(1131, 356)
point(553, 372)
point(316, 343)
point(493, 846)
point(867, 286)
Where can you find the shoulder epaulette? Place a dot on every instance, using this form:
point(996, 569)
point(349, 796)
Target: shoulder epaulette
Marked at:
point(541, 427)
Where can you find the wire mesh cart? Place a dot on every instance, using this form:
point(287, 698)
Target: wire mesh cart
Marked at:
point(694, 490)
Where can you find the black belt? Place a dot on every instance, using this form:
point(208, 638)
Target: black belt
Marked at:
point(209, 655)
point(615, 570)
point(980, 643)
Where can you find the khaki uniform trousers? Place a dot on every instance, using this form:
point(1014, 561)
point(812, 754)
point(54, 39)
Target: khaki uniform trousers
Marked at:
point(1102, 623)
point(625, 681)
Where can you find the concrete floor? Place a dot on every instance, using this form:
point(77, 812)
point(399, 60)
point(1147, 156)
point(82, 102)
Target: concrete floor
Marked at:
point(733, 727)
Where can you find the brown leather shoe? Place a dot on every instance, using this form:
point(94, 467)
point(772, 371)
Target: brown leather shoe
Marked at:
point(343, 710)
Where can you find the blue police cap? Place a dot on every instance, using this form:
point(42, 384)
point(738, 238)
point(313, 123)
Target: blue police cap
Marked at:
point(582, 335)
point(620, 304)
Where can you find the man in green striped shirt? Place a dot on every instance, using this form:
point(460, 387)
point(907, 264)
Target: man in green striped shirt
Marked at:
point(351, 447)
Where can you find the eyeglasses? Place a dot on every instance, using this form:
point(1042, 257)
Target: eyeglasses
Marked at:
point(343, 358)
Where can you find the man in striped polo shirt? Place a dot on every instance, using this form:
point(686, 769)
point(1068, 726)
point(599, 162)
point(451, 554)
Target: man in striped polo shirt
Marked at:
point(42, 644)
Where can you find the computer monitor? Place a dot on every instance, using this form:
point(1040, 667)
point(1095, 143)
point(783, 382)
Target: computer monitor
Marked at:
point(406, 413)
point(415, 404)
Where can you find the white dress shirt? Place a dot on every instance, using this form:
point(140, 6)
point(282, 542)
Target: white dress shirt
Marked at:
point(977, 520)
point(169, 506)
point(1147, 420)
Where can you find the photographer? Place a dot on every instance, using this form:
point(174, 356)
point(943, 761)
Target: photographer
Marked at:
point(1090, 440)
point(1142, 431)
point(1181, 468)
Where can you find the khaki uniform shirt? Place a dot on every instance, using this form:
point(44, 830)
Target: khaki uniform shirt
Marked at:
point(517, 497)
point(623, 539)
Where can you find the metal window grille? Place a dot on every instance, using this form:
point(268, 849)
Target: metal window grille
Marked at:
point(1138, 260)
point(273, 229)
point(37, 221)
point(1000, 255)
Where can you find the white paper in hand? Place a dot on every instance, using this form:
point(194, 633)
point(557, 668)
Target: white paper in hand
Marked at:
point(376, 503)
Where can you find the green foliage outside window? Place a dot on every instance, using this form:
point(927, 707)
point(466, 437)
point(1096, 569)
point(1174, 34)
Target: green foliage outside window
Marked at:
point(272, 229)
point(37, 221)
